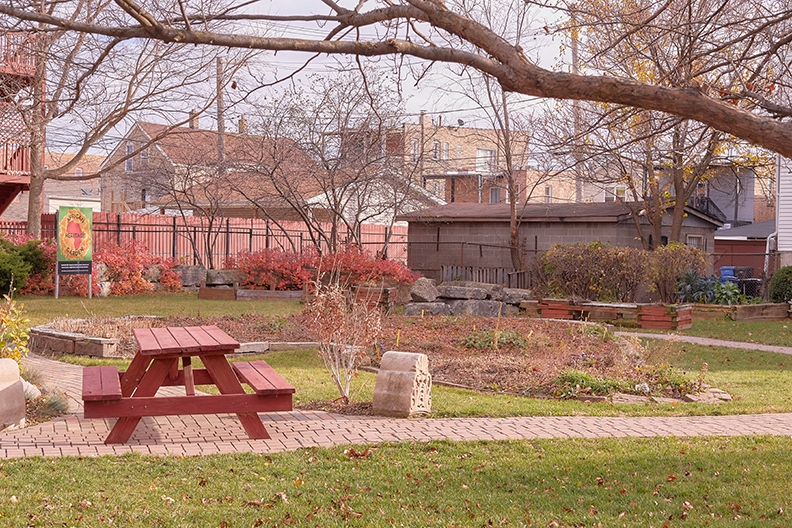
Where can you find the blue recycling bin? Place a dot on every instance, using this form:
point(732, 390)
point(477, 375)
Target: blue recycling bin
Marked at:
point(727, 275)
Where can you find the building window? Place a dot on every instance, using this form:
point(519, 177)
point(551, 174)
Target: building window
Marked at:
point(129, 164)
point(436, 150)
point(695, 241)
point(548, 195)
point(615, 193)
point(485, 160)
point(144, 157)
point(459, 153)
point(78, 172)
point(495, 195)
point(445, 151)
point(414, 150)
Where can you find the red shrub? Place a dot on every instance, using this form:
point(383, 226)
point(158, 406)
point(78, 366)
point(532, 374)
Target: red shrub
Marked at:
point(272, 269)
point(288, 271)
point(170, 279)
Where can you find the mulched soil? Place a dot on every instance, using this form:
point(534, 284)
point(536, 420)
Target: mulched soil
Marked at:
point(528, 368)
point(530, 355)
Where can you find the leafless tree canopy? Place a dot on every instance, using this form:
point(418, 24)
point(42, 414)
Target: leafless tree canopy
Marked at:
point(660, 159)
point(85, 84)
point(748, 38)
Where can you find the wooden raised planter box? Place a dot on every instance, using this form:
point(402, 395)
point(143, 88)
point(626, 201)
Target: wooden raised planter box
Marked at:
point(742, 312)
point(46, 341)
point(657, 316)
point(235, 294)
point(375, 296)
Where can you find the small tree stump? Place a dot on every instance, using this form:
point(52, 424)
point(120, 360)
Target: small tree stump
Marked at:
point(404, 385)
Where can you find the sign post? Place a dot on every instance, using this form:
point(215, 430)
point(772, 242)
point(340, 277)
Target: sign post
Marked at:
point(75, 244)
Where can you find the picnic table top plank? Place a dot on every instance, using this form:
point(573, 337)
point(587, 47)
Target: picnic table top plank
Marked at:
point(165, 340)
point(212, 338)
point(192, 340)
point(185, 339)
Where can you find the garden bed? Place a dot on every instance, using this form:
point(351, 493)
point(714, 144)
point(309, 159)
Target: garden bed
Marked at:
point(742, 312)
point(533, 357)
point(236, 294)
point(656, 316)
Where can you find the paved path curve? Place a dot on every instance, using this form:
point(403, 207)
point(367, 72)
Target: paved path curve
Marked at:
point(199, 435)
point(711, 342)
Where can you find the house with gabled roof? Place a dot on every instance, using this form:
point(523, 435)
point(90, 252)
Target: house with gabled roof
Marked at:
point(259, 177)
point(155, 162)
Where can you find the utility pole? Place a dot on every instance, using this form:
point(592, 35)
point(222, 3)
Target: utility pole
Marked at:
point(421, 150)
point(576, 115)
point(220, 120)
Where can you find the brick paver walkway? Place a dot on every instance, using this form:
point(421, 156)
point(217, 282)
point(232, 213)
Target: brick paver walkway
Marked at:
point(197, 435)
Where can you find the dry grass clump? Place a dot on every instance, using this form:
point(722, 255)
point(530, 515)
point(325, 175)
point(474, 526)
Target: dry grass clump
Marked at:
point(108, 327)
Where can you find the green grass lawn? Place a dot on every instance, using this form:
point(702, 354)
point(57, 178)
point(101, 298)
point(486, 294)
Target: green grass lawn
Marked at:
point(41, 310)
point(604, 482)
point(623, 482)
point(760, 382)
point(777, 333)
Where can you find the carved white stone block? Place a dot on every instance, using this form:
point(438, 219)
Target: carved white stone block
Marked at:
point(404, 385)
point(12, 395)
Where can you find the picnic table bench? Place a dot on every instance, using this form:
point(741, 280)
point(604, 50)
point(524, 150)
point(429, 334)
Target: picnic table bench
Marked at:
point(131, 394)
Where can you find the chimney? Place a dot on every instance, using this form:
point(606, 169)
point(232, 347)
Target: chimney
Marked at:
point(243, 125)
point(193, 122)
point(423, 118)
point(440, 120)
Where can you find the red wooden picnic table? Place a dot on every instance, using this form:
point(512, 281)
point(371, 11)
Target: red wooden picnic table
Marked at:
point(131, 394)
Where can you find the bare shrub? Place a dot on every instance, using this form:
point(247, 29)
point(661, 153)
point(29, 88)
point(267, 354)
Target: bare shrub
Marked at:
point(594, 271)
point(668, 263)
point(343, 329)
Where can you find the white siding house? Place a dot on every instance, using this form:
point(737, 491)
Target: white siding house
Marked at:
point(784, 209)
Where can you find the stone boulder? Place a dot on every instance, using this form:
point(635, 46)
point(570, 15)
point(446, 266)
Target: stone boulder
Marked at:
point(99, 272)
point(217, 277)
point(424, 291)
point(481, 307)
point(191, 275)
point(153, 274)
point(104, 289)
point(461, 292)
point(404, 385)
point(12, 395)
point(516, 295)
point(494, 291)
point(427, 308)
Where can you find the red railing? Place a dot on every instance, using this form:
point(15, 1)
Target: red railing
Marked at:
point(16, 53)
point(14, 160)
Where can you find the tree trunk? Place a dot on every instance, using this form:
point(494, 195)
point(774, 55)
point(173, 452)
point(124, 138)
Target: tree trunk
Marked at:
point(36, 192)
point(38, 138)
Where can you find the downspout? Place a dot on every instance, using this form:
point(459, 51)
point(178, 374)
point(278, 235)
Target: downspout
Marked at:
point(774, 235)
